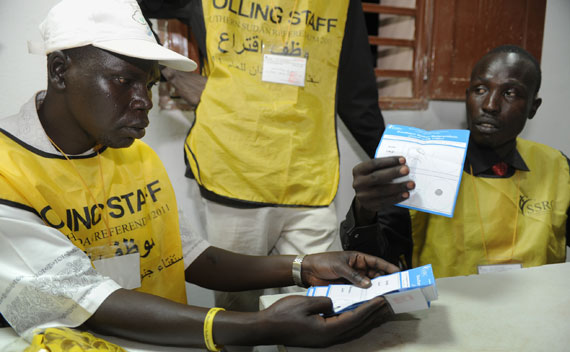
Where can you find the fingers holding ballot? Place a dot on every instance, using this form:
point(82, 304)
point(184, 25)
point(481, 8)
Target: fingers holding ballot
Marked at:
point(374, 186)
point(311, 321)
point(344, 267)
point(306, 321)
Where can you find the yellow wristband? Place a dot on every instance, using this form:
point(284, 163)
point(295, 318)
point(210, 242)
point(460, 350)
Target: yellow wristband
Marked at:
point(208, 330)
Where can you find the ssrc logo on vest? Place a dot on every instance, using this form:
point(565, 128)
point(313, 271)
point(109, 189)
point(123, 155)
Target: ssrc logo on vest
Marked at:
point(529, 206)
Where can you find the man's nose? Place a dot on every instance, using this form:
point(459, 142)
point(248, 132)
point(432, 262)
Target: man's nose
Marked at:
point(141, 98)
point(492, 103)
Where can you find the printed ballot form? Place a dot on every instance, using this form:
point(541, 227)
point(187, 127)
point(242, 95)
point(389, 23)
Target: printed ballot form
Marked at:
point(435, 159)
point(406, 291)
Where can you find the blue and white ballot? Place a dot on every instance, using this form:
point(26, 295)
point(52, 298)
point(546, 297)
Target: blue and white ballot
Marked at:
point(406, 291)
point(435, 159)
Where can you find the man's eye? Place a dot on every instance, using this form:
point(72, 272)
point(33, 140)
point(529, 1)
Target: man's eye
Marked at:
point(510, 93)
point(479, 90)
point(122, 80)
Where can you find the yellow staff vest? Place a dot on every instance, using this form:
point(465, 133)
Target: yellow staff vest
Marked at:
point(454, 246)
point(263, 142)
point(137, 199)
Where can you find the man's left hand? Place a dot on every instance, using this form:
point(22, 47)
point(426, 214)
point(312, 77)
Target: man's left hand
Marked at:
point(344, 267)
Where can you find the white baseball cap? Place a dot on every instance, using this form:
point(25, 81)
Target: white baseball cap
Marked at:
point(114, 25)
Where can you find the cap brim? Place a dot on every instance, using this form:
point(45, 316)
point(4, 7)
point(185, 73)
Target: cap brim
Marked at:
point(148, 50)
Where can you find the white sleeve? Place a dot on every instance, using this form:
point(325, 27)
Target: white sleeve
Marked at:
point(192, 244)
point(45, 281)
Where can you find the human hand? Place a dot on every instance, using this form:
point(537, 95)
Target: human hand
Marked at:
point(296, 321)
point(341, 267)
point(372, 183)
point(189, 85)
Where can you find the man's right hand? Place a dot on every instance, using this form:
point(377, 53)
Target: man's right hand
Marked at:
point(296, 321)
point(372, 182)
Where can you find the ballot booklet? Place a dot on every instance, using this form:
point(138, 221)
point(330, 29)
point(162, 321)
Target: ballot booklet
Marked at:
point(406, 291)
point(435, 159)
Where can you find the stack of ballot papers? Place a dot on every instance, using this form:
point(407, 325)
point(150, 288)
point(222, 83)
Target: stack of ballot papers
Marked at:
point(406, 291)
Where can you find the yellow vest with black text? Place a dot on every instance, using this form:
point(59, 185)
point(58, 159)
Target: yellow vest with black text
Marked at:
point(264, 142)
point(132, 210)
point(455, 246)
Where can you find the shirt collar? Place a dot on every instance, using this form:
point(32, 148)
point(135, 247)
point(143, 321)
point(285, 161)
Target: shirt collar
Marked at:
point(482, 159)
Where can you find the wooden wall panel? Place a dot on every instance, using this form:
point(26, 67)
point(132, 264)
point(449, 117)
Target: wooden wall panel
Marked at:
point(464, 30)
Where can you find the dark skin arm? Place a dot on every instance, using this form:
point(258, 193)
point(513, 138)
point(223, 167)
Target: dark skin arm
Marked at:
point(292, 320)
point(245, 272)
point(189, 85)
point(372, 183)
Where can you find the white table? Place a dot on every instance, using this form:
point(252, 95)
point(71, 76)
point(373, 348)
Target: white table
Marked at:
point(521, 310)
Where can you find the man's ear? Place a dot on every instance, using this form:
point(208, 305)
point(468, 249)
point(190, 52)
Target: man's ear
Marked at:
point(57, 64)
point(535, 105)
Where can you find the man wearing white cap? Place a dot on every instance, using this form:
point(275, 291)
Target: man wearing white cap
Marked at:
point(89, 228)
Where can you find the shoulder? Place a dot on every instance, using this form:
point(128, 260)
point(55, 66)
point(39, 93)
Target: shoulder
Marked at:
point(530, 147)
point(542, 155)
point(25, 128)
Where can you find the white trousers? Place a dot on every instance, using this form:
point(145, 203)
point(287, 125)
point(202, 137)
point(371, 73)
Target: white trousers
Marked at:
point(264, 231)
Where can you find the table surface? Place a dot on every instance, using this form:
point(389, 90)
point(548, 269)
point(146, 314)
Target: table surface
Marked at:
point(520, 310)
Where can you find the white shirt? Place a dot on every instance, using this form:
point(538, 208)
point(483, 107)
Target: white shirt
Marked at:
point(45, 281)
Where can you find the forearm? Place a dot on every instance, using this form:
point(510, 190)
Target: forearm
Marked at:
point(362, 215)
point(388, 236)
point(240, 272)
point(359, 236)
point(395, 225)
point(155, 320)
point(151, 319)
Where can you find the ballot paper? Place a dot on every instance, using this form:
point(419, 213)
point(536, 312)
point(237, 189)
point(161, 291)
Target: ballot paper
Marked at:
point(435, 159)
point(406, 291)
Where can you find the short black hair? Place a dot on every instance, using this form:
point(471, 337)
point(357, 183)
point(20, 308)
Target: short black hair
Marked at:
point(508, 48)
